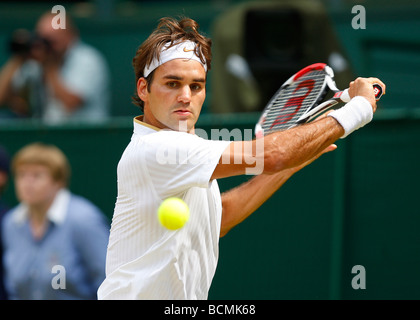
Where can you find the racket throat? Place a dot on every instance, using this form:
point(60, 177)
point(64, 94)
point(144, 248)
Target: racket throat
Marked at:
point(315, 112)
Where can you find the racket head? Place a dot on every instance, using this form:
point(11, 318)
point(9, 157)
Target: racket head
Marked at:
point(298, 95)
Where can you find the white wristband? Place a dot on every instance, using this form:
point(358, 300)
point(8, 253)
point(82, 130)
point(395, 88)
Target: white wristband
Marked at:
point(354, 115)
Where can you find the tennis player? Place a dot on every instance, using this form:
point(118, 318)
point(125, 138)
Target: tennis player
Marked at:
point(166, 159)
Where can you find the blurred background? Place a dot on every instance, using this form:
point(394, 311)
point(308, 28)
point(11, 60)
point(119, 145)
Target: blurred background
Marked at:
point(355, 206)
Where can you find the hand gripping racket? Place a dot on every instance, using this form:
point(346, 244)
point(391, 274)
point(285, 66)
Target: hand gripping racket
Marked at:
point(300, 99)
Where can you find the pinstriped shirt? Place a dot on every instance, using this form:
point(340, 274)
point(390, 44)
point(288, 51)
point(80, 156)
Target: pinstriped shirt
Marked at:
point(145, 260)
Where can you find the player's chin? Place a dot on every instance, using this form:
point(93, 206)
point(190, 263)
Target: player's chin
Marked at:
point(183, 125)
point(183, 121)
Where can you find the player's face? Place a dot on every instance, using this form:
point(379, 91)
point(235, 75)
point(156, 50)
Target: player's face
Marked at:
point(176, 95)
point(35, 186)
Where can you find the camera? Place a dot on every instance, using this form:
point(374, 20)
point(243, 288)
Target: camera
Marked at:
point(22, 41)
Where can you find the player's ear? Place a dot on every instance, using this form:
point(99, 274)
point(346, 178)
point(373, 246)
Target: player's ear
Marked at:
point(142, 89)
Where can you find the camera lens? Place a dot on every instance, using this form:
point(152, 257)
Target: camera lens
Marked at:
point(21, 41)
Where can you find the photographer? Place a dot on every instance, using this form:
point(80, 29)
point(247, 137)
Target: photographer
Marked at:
point(54, 76)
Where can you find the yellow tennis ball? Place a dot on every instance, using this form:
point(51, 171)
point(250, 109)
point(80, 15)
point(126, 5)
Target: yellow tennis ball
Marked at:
point(173, 213)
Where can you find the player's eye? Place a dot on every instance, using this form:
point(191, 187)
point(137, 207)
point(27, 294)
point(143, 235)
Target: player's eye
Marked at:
point(196, 87)
point(172, 84)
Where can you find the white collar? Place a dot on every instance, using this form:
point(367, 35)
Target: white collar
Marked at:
point(143, 127)
point(56, 213)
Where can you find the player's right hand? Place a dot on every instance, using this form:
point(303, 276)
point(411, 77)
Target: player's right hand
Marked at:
point(364, 87)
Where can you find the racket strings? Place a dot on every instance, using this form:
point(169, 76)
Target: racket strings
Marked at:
point(291, 102)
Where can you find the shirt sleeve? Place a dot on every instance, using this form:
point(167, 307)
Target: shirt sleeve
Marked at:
point(177, 161)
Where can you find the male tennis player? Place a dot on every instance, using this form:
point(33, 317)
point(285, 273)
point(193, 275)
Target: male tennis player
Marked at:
point(147, 261)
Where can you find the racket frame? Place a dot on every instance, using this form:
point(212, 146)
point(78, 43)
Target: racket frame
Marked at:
point(328, 81)
point(316, 109)
point(339, 96)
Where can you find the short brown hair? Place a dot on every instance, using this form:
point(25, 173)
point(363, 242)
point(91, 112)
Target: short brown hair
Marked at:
point(169, 30)
point(47, 155)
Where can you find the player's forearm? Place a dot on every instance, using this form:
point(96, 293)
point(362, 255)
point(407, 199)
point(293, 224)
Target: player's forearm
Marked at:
point(280, 150)
point(240, 202)
point(291, 148)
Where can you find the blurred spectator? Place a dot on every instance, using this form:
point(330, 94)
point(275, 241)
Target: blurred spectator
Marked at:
point(4, 177)
point(54, 76)
point(51, 227)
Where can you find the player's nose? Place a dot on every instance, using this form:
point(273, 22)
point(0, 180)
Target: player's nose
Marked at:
point(185, 94)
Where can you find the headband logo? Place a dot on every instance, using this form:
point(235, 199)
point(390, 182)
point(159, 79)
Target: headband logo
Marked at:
point(188, 50)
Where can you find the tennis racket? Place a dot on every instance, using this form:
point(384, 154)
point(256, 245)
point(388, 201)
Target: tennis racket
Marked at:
point(300, 99)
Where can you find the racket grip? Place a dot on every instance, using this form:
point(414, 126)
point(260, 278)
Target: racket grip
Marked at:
point(377, 89)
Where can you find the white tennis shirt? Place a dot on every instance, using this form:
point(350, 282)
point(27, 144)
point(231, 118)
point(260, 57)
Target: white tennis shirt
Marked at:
point(145, 260)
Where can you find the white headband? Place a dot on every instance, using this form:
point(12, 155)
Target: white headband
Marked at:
point(182, 50)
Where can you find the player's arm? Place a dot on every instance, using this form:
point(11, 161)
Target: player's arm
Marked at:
point(284, 154)
point(240, 202)
point(280, 151)
point(289, 148)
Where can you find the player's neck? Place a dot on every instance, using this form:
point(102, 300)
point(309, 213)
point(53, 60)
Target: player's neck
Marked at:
point(149, 119)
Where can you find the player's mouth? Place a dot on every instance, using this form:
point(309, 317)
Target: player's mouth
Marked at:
point(183, 112)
